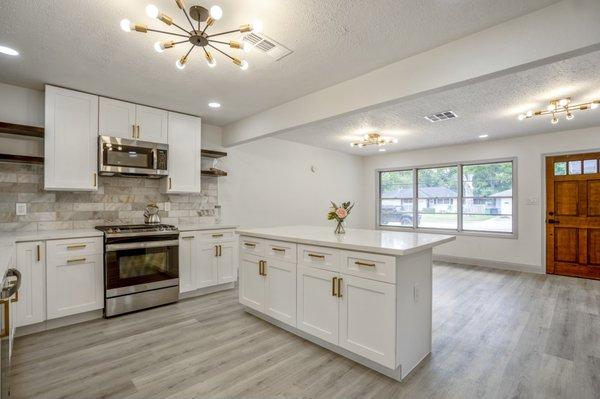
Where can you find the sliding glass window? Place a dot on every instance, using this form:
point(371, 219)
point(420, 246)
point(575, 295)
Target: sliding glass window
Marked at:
point(469, 197)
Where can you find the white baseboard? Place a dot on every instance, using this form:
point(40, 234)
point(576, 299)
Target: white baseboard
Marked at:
point(57, 323)
point(494, 264)
point(206, 290)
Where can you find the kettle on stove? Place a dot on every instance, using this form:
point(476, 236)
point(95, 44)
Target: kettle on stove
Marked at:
point(151, 214)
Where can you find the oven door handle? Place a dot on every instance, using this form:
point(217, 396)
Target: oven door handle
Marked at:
point(145, 244)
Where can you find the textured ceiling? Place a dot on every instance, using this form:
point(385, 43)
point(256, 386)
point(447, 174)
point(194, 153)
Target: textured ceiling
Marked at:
point(78, 44)
point(490, 107)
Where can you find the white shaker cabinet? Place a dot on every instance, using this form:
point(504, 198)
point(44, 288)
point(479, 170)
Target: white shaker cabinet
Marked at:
point(187, 256)
point(252, 283)
point(31, 307)
point(132, 121)
point(70, 140)
point(280, 290)
point(184, 154)
point(207, 267)
point(75, 271)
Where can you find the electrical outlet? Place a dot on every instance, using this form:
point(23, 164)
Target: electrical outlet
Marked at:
point(416, 292)
point(21, 209)
point(167, 206)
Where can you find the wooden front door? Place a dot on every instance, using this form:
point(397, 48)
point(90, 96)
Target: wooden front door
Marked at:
point(573, 215)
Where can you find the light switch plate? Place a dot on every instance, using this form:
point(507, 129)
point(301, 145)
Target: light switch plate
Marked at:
point(21, 209)
point(532, 201)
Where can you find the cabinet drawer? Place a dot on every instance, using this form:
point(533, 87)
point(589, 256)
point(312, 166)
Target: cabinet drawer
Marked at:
point(73, 248)
point(319, 257)
point(215, 235)
point(371, 266)
point(252, 246)
point(281, 250)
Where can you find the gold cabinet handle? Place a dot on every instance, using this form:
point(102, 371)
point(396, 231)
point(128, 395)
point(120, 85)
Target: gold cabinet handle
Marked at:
point(260, 265)
point(278, 249)
point(137, 131)
point(170, 185)
point(6, 330)
point(77, 246)
point(76, 260)
point(217, 235)
point(95, 180)
point(220, 250)
point(39, 255)
point(133, 131)
point(264, 268)
point(359, 263)
point(186, 237)
point(216, 250)
point(249, 244)
point(333, 281)
point(339, 287)
point(316, 256)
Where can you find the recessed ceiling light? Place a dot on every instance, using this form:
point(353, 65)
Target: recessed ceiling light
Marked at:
point(8, 51)
point(214, 105)
point(484, 136)
point(382, 150)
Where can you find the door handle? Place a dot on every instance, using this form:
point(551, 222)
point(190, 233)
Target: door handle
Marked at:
point(133, 131)
point(170, 183)
point(552, 221)
point(333, 282)
point(137, 130)
point(216, 250)
point(39, 255)
point(260, 267)
point(339, 287)
point(220, 250)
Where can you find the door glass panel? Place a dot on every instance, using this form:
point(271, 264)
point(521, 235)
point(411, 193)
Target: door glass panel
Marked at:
point(574, 167)
point(590, 166)
point(560, 168)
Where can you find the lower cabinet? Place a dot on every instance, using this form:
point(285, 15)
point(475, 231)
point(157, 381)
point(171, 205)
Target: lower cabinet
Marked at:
point(74, 274)
point(204, 263)
point(252, 283)
point(31, 306)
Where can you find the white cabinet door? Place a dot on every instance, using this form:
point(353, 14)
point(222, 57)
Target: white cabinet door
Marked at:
point(206, 265)
point(187, 255)
point(117, 118)
point(70, 140)
point(367, 314)
point(317, 306)
point(227, 262)
point(74, 285)
point(281, 291)
point(152, 124)
point(252, 284)
point(31, 307)
point(184, 154)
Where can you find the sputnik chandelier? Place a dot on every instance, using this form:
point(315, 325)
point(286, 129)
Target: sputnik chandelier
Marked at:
point(197, 36)
point(558, 106)
point(373, 139)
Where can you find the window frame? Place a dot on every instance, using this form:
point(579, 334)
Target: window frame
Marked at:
point(459, 230)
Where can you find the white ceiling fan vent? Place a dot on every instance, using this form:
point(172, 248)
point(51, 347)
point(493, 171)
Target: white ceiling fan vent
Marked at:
point(268, 45)
point(441, 116)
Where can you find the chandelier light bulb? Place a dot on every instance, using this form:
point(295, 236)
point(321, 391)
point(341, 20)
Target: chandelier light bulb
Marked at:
point(594, 105)
point(211, 63)
point(551, 107)
point(247, 46)
point(158, 47)
point(216, 13)
point(554, 120)
point(180, 63)
point(152, 11)
point(126, 25)
point(563, 101)
point(570, 116)
point(529, 114)
point(257, 26)
point(244, 65)
point(521, 117)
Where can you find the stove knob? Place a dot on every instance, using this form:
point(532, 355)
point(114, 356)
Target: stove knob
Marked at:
point(161, 228)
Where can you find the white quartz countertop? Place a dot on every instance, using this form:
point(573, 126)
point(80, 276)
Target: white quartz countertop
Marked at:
point(197, 227)
point(375, 241)
point(21, 236)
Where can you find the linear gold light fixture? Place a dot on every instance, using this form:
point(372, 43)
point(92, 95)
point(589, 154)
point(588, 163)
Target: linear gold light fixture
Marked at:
point(197, 36)
point(373, 139)
point(558, 106)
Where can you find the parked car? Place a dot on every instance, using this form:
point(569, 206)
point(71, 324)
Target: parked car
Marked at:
point(396, 216)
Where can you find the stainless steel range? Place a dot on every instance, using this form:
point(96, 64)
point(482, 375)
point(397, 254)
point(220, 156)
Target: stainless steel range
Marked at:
point(141, 267)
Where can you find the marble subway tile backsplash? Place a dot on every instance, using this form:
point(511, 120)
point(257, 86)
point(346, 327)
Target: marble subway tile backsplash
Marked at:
point(119, 200)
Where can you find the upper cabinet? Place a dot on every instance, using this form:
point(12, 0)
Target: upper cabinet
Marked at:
point(132, 121)
point(184, 154)
point(70, 140)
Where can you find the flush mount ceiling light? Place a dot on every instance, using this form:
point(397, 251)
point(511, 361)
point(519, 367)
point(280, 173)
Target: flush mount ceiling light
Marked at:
point(558, 106)
point(8, 51)
point(214, 105)
point(373, 139)
point(197, 36)
point(484, 136)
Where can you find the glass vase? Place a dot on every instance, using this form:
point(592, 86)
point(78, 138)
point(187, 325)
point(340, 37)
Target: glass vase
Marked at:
point(340, 227)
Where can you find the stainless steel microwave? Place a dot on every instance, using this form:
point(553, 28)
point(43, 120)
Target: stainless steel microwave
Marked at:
point(119, 156)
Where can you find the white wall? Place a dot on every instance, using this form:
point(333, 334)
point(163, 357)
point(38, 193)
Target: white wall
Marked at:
point(270, 184)
point(525, 251)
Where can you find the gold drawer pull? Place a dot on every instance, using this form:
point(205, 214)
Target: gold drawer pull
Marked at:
point(39, 256)
point(76, 260)
point(359, 263)
point(278, 249)
point(249, 244)
point(333, 281)
point(339, 287)
point(217, 235)
point(186, 237)
point(316, 256)
point(69, 247)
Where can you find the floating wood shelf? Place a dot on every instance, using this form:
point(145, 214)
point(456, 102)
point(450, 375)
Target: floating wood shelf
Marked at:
point(212, 154)
point(21, 130)
point(21, 158)
point(214, 173)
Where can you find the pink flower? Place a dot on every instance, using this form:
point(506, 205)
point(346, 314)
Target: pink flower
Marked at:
point(341, 213)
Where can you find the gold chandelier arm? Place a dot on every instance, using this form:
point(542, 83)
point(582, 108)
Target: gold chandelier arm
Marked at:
point(217, 41)
point(223, 33)
point(222, 52)
point(168, 33)
point(188, 18)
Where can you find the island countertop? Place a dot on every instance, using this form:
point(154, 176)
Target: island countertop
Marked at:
point(375, 241)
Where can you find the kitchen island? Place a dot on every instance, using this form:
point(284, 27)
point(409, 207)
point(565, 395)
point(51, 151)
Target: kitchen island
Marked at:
point(365, 294)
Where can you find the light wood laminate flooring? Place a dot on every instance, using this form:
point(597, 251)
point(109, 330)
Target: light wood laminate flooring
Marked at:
point(496, 334)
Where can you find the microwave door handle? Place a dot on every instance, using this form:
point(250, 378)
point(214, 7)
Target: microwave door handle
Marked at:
point(155, 158)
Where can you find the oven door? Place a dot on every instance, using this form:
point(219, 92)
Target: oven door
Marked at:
point(141, 266)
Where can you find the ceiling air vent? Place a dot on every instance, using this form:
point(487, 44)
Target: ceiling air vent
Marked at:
point(441, 116)
point(268, 46)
